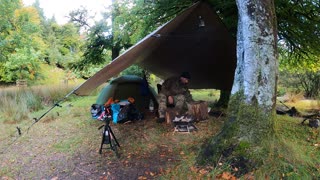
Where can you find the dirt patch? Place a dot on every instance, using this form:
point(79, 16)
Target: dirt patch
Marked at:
point(53, 150)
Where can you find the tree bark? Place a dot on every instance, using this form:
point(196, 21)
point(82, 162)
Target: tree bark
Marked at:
point(115, 51)
point(253, 95)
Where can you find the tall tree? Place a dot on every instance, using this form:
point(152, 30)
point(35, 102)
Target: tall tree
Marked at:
point(7, 9)
point(95, 51)
point(80, 17)
point(250, 116)
point(19, 37)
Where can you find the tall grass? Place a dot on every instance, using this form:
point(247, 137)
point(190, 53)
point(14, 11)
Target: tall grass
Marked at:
point(18, 103)
point(14, 107)
point(295, 152)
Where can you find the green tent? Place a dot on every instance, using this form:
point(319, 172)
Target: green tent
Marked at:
point(123, 87)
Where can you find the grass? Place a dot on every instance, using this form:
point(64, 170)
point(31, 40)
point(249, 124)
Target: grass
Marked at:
point(65, 144)
point(209, 95)
point(305, 105)
point(19, 103)
point(296, 151)
point(299, 102)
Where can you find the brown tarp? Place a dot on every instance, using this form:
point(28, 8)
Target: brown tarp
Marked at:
point(207, 52)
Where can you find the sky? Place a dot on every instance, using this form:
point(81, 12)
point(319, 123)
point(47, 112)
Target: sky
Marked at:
point(61, 8)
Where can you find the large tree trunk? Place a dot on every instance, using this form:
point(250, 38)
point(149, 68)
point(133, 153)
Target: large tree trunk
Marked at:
point(252, 101)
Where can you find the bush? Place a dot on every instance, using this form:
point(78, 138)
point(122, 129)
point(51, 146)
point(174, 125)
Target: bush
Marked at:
point(22, 65)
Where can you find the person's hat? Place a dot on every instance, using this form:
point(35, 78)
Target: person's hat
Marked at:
point(185, 75)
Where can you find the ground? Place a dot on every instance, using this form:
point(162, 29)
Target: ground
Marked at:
point(65, 145)
point(60, 148)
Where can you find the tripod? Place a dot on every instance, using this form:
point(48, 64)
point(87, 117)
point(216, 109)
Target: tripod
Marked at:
point(108, 137)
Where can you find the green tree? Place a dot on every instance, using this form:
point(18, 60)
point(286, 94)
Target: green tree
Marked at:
point(22, 65)
point(7, 9)
point(95, 52)
point(64, 44)
point(19, 30)
point(26, 30)
point(61, 43)
point(134, 70)
point(80, 17)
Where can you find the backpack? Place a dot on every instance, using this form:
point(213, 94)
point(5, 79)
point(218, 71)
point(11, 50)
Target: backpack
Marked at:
point(96, 110)
point(313, 123)
point(129, 113)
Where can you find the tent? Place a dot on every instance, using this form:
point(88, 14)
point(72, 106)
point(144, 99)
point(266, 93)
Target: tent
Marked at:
point(123, 87)
point(195, 41)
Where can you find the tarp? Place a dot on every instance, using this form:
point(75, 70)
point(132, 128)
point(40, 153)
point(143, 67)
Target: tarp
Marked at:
point(195, 41)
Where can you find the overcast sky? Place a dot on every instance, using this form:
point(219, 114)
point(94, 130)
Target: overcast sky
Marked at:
point(61, 8)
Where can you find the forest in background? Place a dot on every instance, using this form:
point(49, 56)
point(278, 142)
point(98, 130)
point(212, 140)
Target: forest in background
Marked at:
point(29, 39)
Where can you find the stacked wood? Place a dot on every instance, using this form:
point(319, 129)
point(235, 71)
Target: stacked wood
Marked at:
point(21, 83)
point(198, 109)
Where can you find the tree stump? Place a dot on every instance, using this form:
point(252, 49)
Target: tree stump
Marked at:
point(198, 109)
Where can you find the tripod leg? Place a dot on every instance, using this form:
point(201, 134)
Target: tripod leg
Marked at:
point(114, 147)
point(113, 143)
point(102, 141)
point(111, 133)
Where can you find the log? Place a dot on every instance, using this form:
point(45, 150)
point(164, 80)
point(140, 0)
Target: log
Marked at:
point(171, 113)
point(198, 109)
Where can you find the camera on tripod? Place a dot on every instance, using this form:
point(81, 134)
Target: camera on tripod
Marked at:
point(108, 137)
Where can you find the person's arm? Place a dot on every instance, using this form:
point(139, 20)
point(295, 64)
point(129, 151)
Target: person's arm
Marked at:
point(167, 87)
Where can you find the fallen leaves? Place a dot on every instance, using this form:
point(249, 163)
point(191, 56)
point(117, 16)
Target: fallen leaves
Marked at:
point(226, 176)
point(142, 178)
point(149, 173)
point(203, 171)
point(194, 169)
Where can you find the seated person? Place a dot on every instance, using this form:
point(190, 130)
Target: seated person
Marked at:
point(174, 92)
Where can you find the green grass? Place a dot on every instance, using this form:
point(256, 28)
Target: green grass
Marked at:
point(68, 145)
point(296, 151)
point(209, 95)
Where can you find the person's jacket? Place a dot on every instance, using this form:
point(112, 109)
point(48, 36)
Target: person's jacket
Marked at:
point(173, 86)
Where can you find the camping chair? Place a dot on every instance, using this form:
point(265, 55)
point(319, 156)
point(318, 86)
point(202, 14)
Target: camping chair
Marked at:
point(107, 134)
